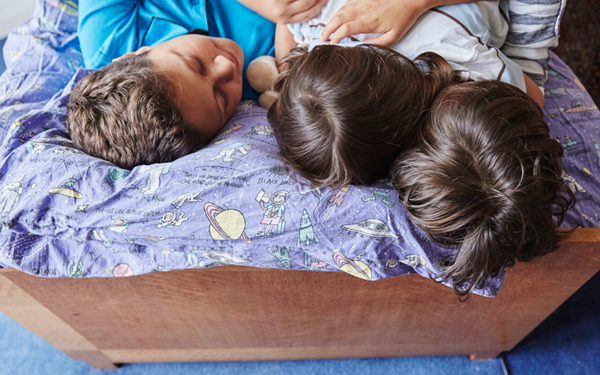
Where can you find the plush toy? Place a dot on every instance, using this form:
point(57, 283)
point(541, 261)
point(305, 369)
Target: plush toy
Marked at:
point(261, 74)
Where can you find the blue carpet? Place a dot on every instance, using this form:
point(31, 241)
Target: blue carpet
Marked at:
point(22, 352)
point(567, 342)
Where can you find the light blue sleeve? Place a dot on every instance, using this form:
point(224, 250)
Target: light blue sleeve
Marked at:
point(101, 22)
point(513, 73)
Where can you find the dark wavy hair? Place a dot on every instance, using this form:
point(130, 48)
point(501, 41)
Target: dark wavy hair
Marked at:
point(345, 113)
point(484, 180)
point(123, 114)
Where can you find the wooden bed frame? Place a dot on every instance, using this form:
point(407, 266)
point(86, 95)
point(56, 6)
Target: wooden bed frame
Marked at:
point(246, 314)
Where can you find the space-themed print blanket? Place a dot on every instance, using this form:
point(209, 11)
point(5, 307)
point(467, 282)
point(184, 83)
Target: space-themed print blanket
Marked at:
point(66, 214)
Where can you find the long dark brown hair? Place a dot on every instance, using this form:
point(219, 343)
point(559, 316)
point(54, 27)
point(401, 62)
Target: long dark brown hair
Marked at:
point(485, 180)
point(345, 113)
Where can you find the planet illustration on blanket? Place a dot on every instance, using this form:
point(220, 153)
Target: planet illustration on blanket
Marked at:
point(225, 224)
point(122, 270)
point(353, 267)
point(68, 188)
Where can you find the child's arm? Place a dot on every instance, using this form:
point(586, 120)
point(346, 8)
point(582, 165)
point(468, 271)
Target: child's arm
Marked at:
point(534, 91)
point(284, 42)
point(391, 18)
point(286, 11)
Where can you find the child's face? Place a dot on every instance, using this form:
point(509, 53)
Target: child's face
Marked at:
point(206, 74)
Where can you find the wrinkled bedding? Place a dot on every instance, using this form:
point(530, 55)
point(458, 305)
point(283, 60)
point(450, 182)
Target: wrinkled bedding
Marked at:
point(66, 214)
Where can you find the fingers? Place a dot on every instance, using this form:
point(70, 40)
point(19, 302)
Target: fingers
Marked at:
point(304, 10)
point(387, 38)
point(346, 30)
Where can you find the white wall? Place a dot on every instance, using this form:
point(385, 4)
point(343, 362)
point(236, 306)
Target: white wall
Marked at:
point(14, 13)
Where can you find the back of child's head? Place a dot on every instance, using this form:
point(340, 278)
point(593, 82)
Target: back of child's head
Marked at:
point(123, 113)
point(344, 113)
point(485, 180)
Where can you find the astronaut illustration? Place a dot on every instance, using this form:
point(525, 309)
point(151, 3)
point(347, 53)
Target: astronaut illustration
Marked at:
point(100, 236)
point(170, 220)
point(154, 173)
point(187, 197)
point(274, 215)
point(11, 193)
point(233, 153)
point(572, 183)
point(25, 133)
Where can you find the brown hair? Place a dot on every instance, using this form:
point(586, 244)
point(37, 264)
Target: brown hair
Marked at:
point(344, 113)
point(123, 114)
point(484, 180)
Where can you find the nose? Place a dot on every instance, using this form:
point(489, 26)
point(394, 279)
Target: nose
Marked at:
point(224, 69)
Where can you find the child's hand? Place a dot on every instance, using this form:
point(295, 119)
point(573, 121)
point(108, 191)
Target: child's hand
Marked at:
point(391, 18)
point(286, 11)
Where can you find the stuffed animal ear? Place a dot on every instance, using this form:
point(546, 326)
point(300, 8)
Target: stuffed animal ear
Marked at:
point(267, 98)
point(261, 73)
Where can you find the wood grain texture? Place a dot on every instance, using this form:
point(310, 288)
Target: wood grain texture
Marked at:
point(240, 313)
point(23, 309)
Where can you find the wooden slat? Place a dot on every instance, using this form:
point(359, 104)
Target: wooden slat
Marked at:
point(241, 313)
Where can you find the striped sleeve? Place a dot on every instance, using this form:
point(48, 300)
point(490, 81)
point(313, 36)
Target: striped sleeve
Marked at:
point(534, 28)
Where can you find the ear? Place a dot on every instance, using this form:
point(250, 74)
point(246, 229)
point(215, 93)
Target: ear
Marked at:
point(143, 49)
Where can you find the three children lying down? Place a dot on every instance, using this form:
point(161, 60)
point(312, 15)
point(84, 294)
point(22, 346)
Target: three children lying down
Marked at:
point(442, 112)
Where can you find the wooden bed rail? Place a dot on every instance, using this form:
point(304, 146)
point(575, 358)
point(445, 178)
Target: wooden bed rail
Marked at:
point(242, 314)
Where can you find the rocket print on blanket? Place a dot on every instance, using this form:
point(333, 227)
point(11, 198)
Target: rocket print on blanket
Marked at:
point(11, 194)
point(154, 173)
point(274, 215)
point(282, 253)
point(307, 233)
point(335, 201)
point(233, 153)
point(75, 268)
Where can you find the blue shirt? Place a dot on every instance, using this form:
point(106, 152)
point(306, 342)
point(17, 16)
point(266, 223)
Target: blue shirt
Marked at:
point(111, 28)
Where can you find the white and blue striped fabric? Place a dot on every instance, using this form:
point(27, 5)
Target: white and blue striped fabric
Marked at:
point(534, 28)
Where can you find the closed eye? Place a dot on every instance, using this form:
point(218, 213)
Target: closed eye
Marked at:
point(220, 93)
point(201, 67)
